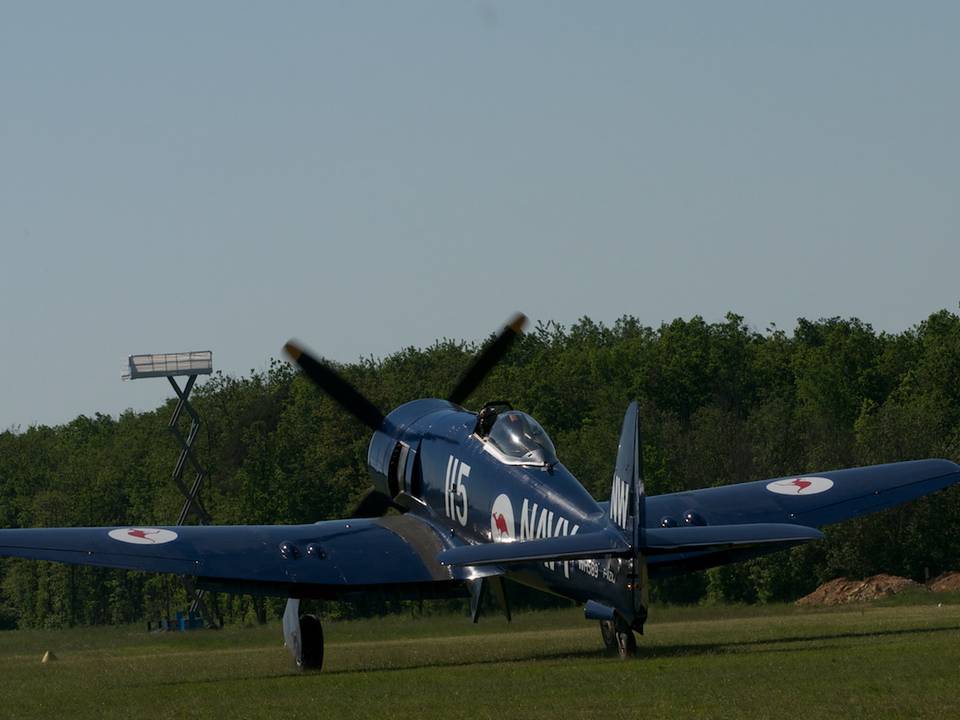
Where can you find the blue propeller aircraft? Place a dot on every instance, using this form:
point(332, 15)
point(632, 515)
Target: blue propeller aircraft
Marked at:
point(481, 497)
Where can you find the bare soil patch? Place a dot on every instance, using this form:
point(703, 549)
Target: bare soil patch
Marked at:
point(844, 590)
point(948, 582)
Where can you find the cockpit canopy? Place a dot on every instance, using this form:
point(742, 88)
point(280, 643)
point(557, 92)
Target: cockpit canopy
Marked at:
point(521, 440)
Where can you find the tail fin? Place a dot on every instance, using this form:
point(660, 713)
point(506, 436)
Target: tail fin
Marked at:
point(627, 497)
point(628, 511)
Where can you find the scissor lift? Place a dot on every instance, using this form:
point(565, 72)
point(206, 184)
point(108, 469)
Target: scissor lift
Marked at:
point(189, 365)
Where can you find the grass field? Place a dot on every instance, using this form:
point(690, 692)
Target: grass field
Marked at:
point(894, 660)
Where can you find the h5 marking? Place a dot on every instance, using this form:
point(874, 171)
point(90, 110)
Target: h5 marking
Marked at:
point(455, 491)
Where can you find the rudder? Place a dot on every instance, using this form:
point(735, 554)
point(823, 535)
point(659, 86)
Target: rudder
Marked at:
point(627, 511)
point(627, 493)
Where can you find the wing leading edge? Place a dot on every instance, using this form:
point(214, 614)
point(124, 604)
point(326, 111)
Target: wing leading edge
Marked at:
point(815, 499)
point(322, 559)
point(812, 500)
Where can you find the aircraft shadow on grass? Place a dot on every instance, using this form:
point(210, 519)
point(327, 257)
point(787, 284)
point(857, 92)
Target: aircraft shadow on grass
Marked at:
point(739, 646)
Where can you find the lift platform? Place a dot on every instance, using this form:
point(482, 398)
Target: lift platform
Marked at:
point(171, 366)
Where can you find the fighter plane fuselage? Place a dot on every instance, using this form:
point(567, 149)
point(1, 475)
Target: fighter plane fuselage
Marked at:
point(431, 460)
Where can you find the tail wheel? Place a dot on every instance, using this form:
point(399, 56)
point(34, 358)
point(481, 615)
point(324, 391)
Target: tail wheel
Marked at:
point(311, 639)
point(609, 634)
point(618, 638)
point(626, 644)
point(626, 640)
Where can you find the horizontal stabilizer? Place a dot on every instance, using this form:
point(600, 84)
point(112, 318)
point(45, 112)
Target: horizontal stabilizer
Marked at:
point(710, 537)
point(569, 547)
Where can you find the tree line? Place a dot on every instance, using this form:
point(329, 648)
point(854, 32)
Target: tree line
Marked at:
point(720, 403)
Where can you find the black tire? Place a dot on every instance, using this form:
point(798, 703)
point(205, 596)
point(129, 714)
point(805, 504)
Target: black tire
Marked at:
point(311, 643)
point(609, 634)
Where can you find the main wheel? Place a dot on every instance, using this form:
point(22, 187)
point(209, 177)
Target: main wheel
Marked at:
point(311, 643)
point(609, 634)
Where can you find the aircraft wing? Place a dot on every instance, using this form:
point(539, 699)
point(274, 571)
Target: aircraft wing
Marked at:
point(325, 559)
point(815, 499)
point(812, 500)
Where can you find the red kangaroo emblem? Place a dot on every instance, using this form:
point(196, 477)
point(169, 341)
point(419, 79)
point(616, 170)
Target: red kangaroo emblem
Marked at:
point(801, 485)
point(142, 534)
point(501, 522)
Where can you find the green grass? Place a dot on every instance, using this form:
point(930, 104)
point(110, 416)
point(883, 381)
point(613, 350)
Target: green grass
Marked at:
point(756, 662)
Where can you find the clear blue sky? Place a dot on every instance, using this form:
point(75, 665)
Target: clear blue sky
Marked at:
point(367, 176)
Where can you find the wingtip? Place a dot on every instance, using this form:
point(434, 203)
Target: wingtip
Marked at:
point(518, 323)
point(292, 350)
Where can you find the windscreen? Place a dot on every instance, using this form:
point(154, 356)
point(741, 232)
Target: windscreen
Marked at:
point(520, 437)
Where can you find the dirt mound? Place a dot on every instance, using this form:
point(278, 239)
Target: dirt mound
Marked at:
point(948, 582)
point(844, 590)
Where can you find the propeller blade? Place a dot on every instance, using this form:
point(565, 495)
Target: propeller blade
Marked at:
point(487, 358)
point(348, 397)
point(373, 504)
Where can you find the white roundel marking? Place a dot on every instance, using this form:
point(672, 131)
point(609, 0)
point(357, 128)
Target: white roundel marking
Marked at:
point(502, 528)
point(800, 486)
point(143, 536)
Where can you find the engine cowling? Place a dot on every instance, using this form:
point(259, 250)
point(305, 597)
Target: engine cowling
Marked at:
point(392, 454)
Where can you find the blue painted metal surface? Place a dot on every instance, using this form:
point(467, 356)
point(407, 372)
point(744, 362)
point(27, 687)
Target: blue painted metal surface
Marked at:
point(855, 492)
point(321, 558)
point(593, 610)
point(666, 540)
point(571, 547)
